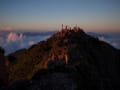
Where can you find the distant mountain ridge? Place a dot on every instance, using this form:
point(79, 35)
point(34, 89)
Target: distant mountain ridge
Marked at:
point(89, 62)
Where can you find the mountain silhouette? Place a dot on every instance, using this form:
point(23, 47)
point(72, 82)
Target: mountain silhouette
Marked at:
point(68, 60)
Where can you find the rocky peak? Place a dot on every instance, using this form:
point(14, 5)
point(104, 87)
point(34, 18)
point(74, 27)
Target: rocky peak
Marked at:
point(94, 62)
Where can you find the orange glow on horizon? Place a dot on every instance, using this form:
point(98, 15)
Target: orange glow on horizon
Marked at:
point(7, 28)
point(104, 28)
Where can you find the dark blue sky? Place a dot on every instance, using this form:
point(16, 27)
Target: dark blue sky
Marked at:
point(50, 14)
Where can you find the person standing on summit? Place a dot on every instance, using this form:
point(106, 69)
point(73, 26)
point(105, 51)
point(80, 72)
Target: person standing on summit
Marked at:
point(3, 69)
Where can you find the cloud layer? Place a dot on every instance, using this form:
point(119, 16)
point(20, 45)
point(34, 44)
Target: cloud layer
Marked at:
point(12, 41)
point(111, 38)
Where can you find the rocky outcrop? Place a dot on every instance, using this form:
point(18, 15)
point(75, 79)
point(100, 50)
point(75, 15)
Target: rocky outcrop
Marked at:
point(70, 58)
point(3, 69)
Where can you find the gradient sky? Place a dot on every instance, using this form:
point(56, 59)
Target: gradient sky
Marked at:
point(91, 15)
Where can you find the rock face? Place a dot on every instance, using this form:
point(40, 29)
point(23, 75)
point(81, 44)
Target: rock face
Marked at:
point(72, 60)
point(53, 80)
point(3, 69)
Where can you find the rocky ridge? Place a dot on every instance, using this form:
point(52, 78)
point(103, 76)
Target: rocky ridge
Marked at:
point(71, 57)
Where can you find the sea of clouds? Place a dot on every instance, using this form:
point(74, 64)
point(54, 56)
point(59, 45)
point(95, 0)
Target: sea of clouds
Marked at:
point(12, 41)
point(113, 38)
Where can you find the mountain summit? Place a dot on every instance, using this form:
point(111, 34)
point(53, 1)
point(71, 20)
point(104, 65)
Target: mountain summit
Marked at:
point(69, 60)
